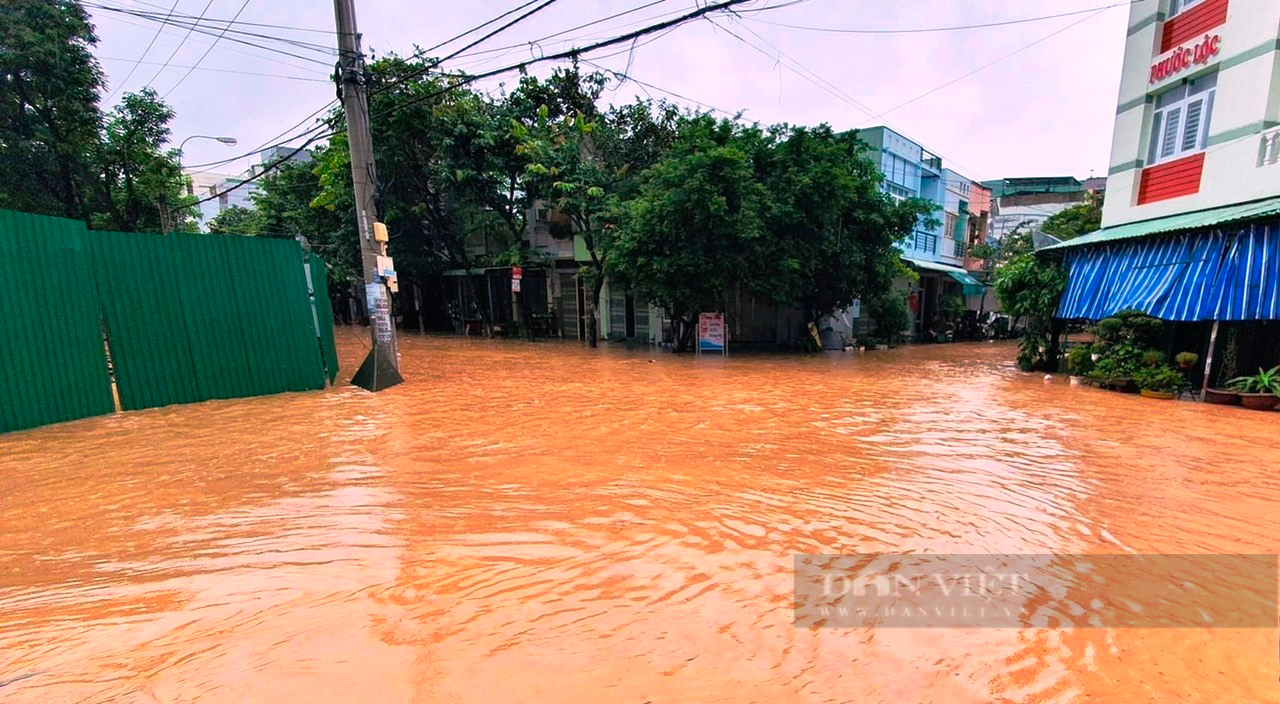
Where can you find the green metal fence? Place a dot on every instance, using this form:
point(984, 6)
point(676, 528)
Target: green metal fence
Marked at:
point(186, 318)
point(53, 366)
point(319, 281)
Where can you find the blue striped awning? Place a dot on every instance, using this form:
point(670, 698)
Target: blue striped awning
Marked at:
point(1249, 281)
point(1218, 275)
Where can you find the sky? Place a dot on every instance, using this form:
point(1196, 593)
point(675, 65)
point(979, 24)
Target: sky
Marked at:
point(1028, 99)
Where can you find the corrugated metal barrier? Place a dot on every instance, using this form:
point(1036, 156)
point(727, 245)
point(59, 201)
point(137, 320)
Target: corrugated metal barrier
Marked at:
point(186, 318)
point(53, 365)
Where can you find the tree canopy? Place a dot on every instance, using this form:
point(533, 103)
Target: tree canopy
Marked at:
point(59, 153)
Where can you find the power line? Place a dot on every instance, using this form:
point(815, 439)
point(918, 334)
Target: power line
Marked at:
point(534, 42)
point(622, 76)
point(234, 50)
point(569, 54)
point(146, 51)
point(989, 64)
point(419, 72)
point(218, 70)
point(818, 80)
point(205, 55)
point(177, 48)
point(220, 34)
point(274, 141)
point(576, 52)
point(960, 28)
point(477, 28)
point(782, 59)
point(207, 26)
point(246, 23)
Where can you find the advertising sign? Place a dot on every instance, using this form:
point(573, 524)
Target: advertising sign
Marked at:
point(379, 313)
point(712, 334)
point(1178, 61)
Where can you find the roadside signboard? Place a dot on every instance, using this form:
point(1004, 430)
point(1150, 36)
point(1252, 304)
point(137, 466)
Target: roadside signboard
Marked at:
point(380, 313)
point(712, 334)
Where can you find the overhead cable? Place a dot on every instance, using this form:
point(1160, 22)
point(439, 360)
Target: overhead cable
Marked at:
point(205, 55)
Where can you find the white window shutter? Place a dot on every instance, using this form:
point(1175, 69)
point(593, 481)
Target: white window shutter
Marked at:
point(1191, 130)
point(1169, 140)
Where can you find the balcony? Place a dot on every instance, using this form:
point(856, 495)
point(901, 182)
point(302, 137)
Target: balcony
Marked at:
point(925, 242)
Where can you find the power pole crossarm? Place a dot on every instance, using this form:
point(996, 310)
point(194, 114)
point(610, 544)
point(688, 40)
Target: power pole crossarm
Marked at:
point(381, 369)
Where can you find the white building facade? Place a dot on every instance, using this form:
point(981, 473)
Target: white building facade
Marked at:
point(1191, 225)
point(1199, 106)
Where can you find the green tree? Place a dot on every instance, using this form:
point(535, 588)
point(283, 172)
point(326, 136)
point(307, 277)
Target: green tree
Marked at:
point(831, 230)
point(694, 230)
point(139, 185)
point(49, 117)
point(1030, 288)
point(449, 175)
point(286, 204)
point(567, 146)
point(1077, 220)
point(236, 220)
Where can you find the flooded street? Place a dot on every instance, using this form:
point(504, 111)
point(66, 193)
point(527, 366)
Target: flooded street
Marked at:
point(547, 523)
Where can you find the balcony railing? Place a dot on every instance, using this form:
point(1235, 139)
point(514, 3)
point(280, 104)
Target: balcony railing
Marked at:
point(925, 242)
point(1269, 150)
point(960, 249)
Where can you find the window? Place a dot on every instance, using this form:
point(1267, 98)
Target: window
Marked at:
point(1179, 6)
point(898, 192)
point(1180, 125)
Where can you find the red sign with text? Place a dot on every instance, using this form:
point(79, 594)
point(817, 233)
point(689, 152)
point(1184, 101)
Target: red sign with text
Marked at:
point(1181, 59)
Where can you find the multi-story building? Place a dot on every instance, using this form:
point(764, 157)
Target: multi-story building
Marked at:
point(1027, 203)
point(1191, 220)
point(937, 251)
point(204, 184)
point(231, 190)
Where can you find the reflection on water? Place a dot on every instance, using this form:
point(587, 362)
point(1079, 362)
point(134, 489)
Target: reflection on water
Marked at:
point(530, 523)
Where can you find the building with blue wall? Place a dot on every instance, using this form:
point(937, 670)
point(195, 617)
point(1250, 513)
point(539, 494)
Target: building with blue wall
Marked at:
point(936, 250)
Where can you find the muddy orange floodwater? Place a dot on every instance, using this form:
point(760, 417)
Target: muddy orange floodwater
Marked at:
point(546, 523)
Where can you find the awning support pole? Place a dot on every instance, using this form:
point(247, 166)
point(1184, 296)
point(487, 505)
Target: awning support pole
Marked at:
point(1208, 361)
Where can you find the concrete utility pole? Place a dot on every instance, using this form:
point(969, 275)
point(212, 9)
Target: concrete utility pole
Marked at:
point(381, 369)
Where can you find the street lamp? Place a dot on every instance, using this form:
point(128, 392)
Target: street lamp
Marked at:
point(229, 141)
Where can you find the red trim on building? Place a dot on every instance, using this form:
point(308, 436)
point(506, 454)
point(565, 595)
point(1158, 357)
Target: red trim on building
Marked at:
point(1171, 180)
point(1193, 23)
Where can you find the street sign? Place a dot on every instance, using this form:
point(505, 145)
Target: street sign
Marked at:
point(515, 285)
point(380, 313)
point(517, 273)
point(712, 334)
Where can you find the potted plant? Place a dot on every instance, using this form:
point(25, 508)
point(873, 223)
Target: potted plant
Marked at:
point(1221, 397)
point(1160, 382)
point(1079, 363)
point(1152, 359)
point(1186, 360)
point(1260, 392)
point(1230, 363)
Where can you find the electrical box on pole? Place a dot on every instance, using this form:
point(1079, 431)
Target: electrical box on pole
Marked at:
point(381, 369)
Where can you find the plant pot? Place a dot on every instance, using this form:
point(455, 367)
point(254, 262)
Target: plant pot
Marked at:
point(1164, 395)
point(1259, 402)
point(1078, 381)
point(1123, 385)
point(1221, 397)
